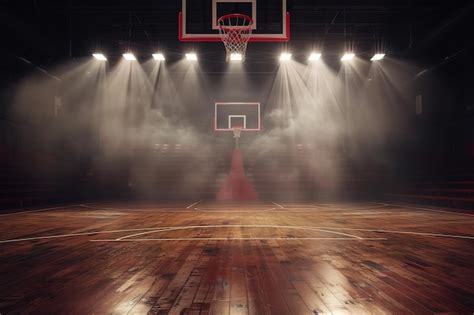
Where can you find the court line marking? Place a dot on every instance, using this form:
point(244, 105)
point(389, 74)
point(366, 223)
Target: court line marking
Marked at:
point(241, 239)
point(236, 211)
point(278, 205)
point(190, 227)
point(13, 240)
point(135, 210)
point(193, 204)
point(469, 237)
point(307, 227)
point(38, 210)
point(429, 209)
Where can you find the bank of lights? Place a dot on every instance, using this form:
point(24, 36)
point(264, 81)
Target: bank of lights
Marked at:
point(236, 57)
point(100, 57)
point(129, 57)
point(377, 57)
point(285, 56)
point(159, 57)
point(314, 57)
point(191, 57)
point(348, 57)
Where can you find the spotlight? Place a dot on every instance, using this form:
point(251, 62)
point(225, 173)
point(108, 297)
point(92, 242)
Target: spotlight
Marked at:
point(191, 57)
point(285, 56)
point(99, 57)
point(235, 57)
point(129, 57)
point(314, 57)
point(159, 57)
point(347, 56)
point(377, 57)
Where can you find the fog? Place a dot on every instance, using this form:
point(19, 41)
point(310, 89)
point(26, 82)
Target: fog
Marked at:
point(144, 128)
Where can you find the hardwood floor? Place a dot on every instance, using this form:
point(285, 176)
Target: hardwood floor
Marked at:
point(261, 258)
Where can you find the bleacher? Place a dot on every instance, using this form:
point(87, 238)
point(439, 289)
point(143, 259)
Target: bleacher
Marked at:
point(456, 190)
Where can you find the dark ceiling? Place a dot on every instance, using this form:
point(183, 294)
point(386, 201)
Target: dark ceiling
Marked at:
point(47, 31)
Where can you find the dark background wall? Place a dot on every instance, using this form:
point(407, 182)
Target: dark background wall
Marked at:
point(45, 158)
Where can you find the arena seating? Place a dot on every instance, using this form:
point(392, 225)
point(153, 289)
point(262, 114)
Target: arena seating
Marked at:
point(456, 190)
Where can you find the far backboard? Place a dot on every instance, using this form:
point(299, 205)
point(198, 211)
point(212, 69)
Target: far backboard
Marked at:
point(198, 19)
point(229, 115)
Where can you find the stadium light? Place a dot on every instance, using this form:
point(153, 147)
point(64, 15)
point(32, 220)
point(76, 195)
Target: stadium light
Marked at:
point(236, 57)
point(129, 57)
point(348, 57)
point(314, 56)
point(377, 57)
point(100, 57)
point(159, 57)
point(285, 56)
point(191, 57)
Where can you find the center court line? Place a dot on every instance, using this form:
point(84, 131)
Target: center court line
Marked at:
point(193, 204)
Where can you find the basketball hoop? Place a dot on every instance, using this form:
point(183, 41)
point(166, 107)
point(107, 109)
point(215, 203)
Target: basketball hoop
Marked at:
point(237, 131)
point(235, 31)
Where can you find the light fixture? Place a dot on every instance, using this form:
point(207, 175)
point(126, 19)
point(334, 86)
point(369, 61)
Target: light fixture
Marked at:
point(348, 56)
point(99, 56)
point(236, 57)
point(285, 56)
point(377, 57)
point(191, 57)
point(159, 57)
point(129, 57)
point(314, 56)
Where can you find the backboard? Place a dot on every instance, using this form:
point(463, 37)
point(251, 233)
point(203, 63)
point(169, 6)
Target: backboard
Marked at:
point(198, 19)
point(229, 115)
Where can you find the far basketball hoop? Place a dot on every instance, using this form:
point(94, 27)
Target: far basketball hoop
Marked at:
point(237, 131)
point(235, 31)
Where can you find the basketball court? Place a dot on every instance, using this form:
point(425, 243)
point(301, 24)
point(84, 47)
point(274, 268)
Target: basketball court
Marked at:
point(257, 258)
point(236, 157)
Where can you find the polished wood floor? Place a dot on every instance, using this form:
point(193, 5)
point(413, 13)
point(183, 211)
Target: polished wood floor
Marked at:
point(262, 258)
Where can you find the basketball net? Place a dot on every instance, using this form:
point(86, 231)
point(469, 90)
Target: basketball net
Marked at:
point(235, 31)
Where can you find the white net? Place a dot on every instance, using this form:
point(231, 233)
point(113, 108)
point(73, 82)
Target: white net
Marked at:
point(235, 31)
point(237, 131)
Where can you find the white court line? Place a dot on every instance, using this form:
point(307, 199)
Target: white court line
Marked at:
point(237, 211)
point(278, 205)
point(38, 210)
point(157, 229)
point(429, 209)
point(241, 239)
point(190, 227)
point(13, 240)
point(468, 237)
point(191, 205)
